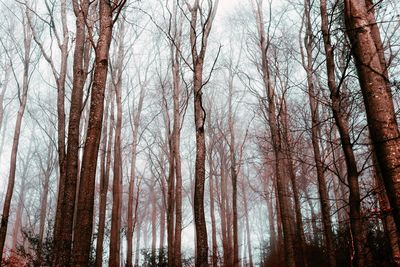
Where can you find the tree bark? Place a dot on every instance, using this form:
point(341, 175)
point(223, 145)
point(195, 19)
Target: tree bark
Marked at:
point(84, 225)
point(63, 229)
point(386, 217)
point(199, 119)
point(367, 50)
point(105, 166)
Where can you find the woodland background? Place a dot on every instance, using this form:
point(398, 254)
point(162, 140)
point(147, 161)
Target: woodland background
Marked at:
point(206, 133)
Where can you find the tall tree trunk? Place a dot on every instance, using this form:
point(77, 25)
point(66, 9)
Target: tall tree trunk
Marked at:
point(211, 192)
point(248, 237)
point(171, 200)
point(63, 229)
point(117, 179)
point(234, 173)
point(105, 166)
point(135, 133)
point(60, 81)
point(222, 204)
point(271, 225)
point(198, 57)
point(153, 224)
point(315, 136)
point(84, 225)
point(46, 171)
point(17, 132)
point(281, 179)
point(137, 256)
point(368, 53)
point(175, 47)
point(299, 231)
point(343, 127)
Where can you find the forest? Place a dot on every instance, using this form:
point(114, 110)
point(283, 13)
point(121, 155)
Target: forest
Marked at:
point(179, 133)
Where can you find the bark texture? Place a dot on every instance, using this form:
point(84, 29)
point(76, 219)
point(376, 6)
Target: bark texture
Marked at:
point(84, 222)
point(368, 54)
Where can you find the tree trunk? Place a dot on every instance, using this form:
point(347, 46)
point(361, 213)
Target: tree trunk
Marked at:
point(386, 216)
point(135, 141)
point(281, 179)
point(299, 231)
point(234, 174)
point(15, 144)
point(18, 216)
point(83, 231)
point(60, 81)
point(248, 237)
point(343, 127)
point(153, 224)
point(315, 137)
point(63, 229)
point(117, 179)
point(105, 166)
point(222, 204)
point(199, 119)
point(211, 189)
point(137, 256)
point(368, 53)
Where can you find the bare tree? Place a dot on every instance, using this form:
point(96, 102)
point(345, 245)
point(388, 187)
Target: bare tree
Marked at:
point(316, 134)
point(84, 225)
point(281, 179)
point(198, 57)
point(23, 97)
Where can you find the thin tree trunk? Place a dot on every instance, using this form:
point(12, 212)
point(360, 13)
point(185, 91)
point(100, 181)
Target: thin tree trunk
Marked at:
point(60, 81)
point(223, 212)
point(212, 209)
point(315, 136)
point(234, 174)
point(248, 237)
point(135, 133)
point(281, 180)
point(15, 144)
point(153, 224)
point(117, 178)
point(175, 48)
point(44, 196)
point(4, 87)
point(368, 53)
point(137, 256)
point(299, 231)
point(343, 127)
